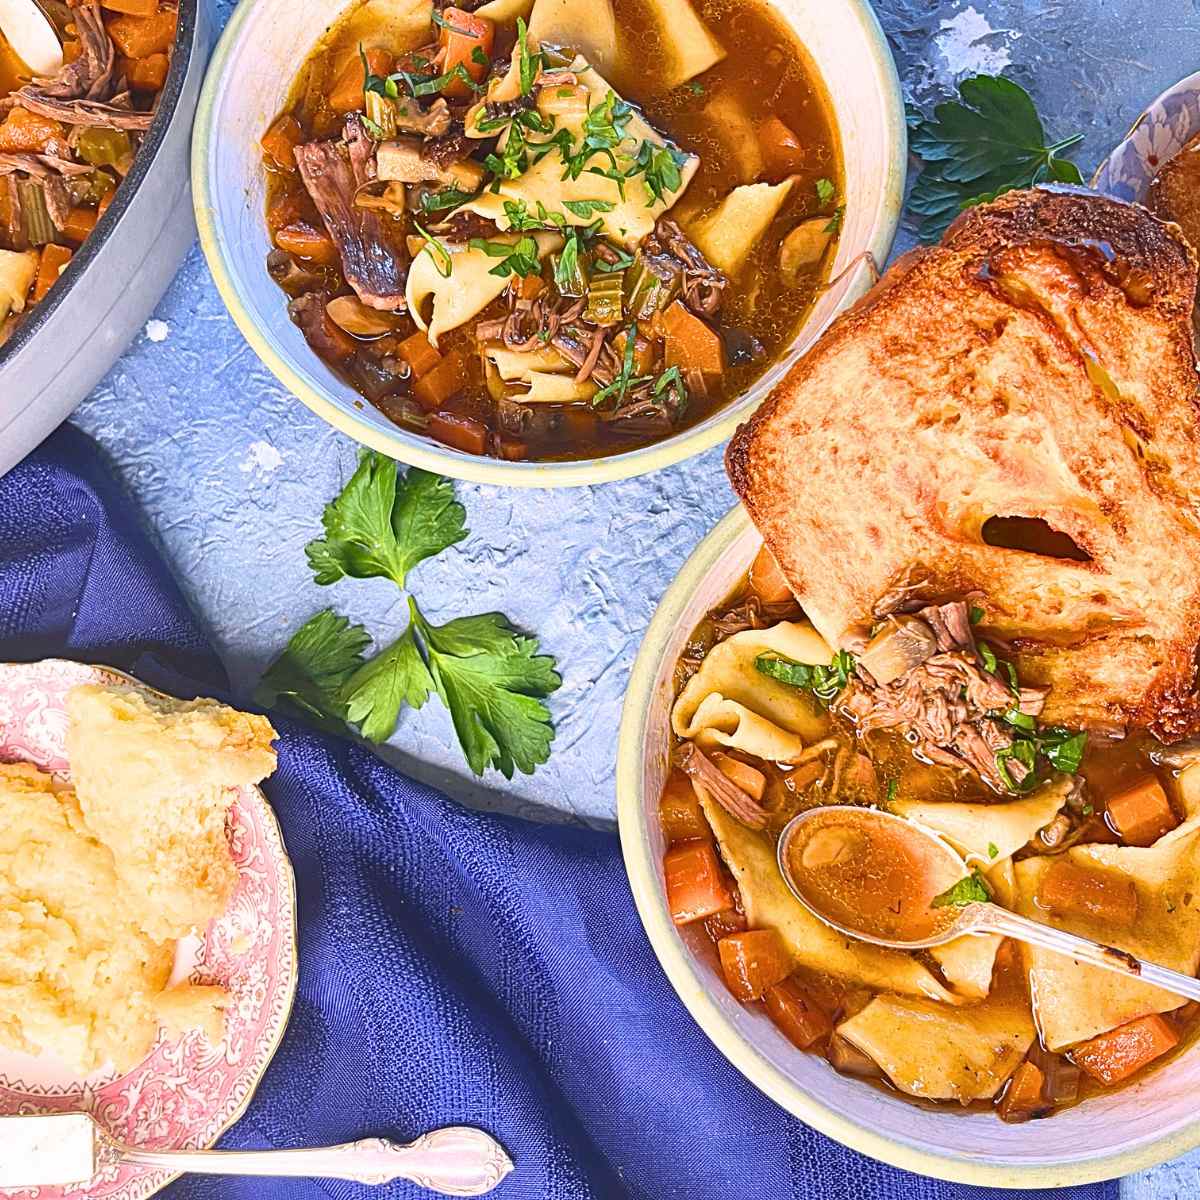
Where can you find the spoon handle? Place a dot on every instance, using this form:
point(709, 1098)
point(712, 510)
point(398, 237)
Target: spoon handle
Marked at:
point(994, 919)
point(456, 1161)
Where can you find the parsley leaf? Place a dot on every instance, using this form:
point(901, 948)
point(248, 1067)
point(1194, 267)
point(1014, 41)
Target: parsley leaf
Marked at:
point(824, 682)
point(436, 202)
point(310, 673)
point(993, 849)
point(513, 161)
point(531, 61)
point(624, 378)
point(568, 272)
point(824, 191)
point(660, 167)
point(969, 890)
point(380, 527)
point(585, 210)
point(973, 149)
point(375, 693)
point(492, 680)
point(604, 128)
point(519, 259)
point(442, 261)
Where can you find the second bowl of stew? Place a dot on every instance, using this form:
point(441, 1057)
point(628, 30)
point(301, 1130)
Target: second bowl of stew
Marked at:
point(541, 241)
point(975, 1061)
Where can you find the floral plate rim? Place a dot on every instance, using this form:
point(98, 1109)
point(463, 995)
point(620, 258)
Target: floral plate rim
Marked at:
point(282, 959)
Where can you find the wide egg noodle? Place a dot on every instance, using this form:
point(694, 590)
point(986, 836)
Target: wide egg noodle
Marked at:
point(439, 303)
point(941, 1053)
point(634, 211)
point(729, 703)
point(768, 904)
point(1073, 1002)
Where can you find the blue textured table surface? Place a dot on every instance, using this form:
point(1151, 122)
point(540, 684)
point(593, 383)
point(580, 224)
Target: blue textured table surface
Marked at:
point(231, 471)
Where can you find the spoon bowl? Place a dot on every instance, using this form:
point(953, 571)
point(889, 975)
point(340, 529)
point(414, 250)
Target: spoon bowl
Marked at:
point(32, 37)
point(891, 882)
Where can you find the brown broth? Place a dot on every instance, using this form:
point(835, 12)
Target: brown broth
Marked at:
point(767, 73)
point(13, 71)
point(1108, 766)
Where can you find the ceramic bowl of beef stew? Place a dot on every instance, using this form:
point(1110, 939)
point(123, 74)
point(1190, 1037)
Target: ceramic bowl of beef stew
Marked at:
point(541, 242)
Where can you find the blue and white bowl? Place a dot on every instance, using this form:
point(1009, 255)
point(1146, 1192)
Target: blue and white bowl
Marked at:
point(1167, 125)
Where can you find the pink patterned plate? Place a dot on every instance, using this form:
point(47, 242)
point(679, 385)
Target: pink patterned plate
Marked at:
point(187, 1092)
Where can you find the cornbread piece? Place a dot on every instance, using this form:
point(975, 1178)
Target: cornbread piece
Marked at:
point(78, 975)
point(1036, 365)
point(155, 778)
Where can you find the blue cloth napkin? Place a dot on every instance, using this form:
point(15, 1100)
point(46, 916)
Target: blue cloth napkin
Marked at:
point(455, 968)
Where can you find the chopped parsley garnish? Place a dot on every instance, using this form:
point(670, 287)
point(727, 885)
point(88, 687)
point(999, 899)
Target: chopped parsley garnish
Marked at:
point(440, 20)
point(585, 210)
point(660, 167)
point(530, 60)
point(695, 87)
point(623, 262)
point(974, 149)
point(568, 272)
point(451, 197)
point(479, 58)
point(893, 789)
point(427, 85)
point(969, 890)
point(975, 614)
point(437, 251)
point(825, 191)
point(513, 160)
point(520, 258)
point(993, 850)
point(604, 129)
point(491, 678)
point(824, 682)
point(624, 379)
point(834, 224)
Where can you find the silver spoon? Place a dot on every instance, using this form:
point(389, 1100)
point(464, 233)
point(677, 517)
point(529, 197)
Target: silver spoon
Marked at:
point(890, 869)
point(70, 1148)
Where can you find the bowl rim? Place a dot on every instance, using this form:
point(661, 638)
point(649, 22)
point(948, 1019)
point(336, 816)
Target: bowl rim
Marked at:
point(183, 53)
point(684, 977)
point(417, 451)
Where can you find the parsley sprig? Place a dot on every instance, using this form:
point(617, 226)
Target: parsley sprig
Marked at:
point(973, 149)
point(490, 677)
point(971, 889)
point(519, 258)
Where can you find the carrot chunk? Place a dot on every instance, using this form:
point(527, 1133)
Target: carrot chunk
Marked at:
point(799, 1018)
point(139, 37)
point(689, 343)
point(511, 449)
point(1117, 1054)
point(753, 961)
point(459, 433)
point(750, 779)
point(285, 208)
point(1141, 814)
point(1079, 891)
point(441, 382)
point(346, 95)
point(419, 354)
point(132, 8)
point(304, 241)
point(280, 141)
point(767, 579)
point(467, 40)
point(695, 886)
point(147, 74)
point(53, 259)
point(1022, 1098)
point(679, 811)
point(23, 132)
point(722, 924)
point(782, 151)
point(80, 222)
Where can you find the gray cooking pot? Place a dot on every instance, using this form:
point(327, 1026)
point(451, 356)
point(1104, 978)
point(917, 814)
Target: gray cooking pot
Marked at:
point(113, 282)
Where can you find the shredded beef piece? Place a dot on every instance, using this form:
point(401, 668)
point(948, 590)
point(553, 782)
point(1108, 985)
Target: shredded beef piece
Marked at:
point(92, 73)
point(44, 166)
point(702, 285)
point(373, 265)
point(445, 151)
point(948, 704)
point(116, 115)
point(753, 614)
point(463, 226)
point(694, 763)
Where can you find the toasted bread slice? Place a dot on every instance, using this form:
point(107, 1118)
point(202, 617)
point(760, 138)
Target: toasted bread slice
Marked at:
point(1175, 191)
point(1038, 364)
